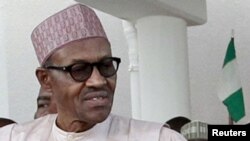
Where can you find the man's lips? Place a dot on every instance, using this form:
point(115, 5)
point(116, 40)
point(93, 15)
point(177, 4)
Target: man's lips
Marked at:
point(96, 95)
point(97, 98)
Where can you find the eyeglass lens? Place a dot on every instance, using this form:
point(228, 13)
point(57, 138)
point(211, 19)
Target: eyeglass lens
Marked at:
point(82, 71)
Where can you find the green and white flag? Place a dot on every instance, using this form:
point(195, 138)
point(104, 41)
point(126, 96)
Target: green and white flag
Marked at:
point(230, 89)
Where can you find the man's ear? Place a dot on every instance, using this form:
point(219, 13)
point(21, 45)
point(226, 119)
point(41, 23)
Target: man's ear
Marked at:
point(43, 78)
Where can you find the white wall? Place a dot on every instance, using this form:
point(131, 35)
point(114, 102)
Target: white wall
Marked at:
point(4, 106)
point(207, 48)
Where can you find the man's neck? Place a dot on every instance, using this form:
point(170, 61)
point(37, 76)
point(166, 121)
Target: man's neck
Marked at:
point(73, 125)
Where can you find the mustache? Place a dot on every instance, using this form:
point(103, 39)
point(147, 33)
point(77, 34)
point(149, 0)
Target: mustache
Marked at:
point(91, 93)
point(91, 90)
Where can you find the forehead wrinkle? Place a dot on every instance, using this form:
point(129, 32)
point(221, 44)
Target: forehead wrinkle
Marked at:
point(88, 61)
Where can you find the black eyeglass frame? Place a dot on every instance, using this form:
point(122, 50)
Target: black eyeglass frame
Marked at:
point(68, 68)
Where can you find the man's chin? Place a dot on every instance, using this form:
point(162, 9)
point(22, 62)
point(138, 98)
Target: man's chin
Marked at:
point(96, 116)
point(99, 118)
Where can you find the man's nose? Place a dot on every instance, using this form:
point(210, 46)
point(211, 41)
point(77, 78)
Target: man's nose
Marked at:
point(96, 79)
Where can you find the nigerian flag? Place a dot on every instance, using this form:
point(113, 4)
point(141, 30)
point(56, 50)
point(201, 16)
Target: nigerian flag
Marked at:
point(230, 90)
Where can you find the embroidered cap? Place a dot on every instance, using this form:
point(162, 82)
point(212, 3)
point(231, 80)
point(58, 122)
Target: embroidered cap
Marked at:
point(73, 23)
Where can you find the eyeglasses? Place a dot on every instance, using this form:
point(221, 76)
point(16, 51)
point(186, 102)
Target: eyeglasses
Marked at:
point(81, 71)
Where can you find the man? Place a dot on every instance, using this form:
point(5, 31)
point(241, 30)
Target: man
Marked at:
point(45, 104)
point(78, 68)
point(5, 121)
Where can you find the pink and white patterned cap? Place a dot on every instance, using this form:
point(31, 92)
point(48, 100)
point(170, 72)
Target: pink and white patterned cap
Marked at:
point(73, 23)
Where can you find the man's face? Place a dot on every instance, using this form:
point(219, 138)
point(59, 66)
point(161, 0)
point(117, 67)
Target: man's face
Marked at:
point(89, 101)
point(45, 104)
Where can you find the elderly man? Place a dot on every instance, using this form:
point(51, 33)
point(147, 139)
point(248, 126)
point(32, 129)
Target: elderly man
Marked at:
point(78, 68)
point(45, 104)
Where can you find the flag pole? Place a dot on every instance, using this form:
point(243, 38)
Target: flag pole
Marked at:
point(230, 120)
point(232, 33)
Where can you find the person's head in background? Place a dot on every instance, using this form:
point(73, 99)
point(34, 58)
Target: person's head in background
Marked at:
point(177, 122)
point(45, 104)
point(6, 121)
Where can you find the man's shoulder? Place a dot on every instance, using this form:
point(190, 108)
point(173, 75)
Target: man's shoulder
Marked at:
point(136, 122)
point(5, 132)
point(37, 123)
point(144, 130)
point(135, 129)
point(34, 127)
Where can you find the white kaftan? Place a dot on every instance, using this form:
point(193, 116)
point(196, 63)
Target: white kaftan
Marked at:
point(114, 128)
